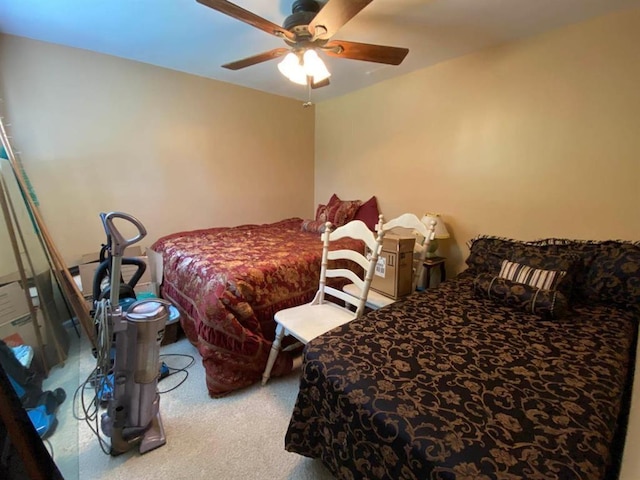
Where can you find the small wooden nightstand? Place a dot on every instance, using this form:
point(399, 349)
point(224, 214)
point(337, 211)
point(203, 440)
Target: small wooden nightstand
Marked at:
point(431, 262)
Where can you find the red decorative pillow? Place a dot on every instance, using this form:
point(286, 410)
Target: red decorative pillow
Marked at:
point(334, 199)
point(337, 211)
point(369, 213)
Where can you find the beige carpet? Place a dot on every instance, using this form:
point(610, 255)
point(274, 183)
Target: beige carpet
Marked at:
point(240, 436)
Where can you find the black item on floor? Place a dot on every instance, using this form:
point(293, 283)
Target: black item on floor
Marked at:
point(24, 454)
point(30, 382)
point(29, 388)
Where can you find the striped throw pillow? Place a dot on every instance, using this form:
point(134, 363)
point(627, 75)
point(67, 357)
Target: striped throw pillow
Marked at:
point(535, 277)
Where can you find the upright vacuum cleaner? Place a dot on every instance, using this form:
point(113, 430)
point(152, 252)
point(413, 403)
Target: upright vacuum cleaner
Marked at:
point(129, 351)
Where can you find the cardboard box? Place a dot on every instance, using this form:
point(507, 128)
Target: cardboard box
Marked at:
point(15, 318)
point(393, 276)
point(20, 331)
point(87, 271)
point(155, 265)
point(13, 303)
point(398, 243)
point(12, 277)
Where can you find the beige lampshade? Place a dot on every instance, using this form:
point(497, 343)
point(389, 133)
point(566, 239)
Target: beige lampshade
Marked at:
point(441, 231)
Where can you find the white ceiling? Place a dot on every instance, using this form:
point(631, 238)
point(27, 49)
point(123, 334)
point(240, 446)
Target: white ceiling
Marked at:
point(187, 36)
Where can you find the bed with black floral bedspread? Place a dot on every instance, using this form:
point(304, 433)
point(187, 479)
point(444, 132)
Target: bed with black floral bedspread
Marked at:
point(481, 378)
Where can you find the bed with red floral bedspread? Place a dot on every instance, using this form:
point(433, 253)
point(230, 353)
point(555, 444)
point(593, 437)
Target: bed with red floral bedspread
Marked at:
point(228, 282)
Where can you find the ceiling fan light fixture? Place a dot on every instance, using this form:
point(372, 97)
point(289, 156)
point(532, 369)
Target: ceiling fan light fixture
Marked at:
point(298, 67)
point(314, 66)
point(290, 67)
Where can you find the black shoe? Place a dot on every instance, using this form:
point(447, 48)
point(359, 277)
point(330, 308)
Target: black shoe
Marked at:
point(49, 401)
point(52, 400)
point(60, 395)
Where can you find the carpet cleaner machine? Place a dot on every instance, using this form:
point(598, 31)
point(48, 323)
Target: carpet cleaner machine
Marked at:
point(128, 353)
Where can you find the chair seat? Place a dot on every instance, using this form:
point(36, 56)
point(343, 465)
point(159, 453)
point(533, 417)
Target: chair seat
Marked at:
point(375, 300)
point(307, 322)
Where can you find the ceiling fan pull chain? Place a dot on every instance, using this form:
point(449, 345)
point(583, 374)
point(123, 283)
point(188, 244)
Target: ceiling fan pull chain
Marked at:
point(308, 103)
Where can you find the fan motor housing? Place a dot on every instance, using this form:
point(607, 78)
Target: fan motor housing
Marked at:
point(305, 6)
point(303, 11)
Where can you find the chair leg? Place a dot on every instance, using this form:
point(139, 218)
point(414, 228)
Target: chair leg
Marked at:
point(273, 354)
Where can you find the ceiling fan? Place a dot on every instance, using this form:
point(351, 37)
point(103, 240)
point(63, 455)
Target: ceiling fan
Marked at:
point(308, 30)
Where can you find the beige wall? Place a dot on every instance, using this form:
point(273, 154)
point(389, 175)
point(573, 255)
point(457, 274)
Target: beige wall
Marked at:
point(99, 133)
point(531, 139)
point(535, 138)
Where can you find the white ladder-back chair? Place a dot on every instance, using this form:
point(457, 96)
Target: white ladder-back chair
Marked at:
point(306, 322)
point(377, 300)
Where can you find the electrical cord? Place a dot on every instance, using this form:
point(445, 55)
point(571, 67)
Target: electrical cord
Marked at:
point(105, 335)
point(90, 407)
point(98, 379)
point(173, 371)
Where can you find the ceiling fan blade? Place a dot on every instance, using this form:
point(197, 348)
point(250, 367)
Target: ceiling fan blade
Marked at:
point(320, 84)
point(246, 16)
point(255, 59)
point(365, 51)
point(334, 15)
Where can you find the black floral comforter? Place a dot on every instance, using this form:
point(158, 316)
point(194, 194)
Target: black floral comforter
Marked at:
point(447, 385)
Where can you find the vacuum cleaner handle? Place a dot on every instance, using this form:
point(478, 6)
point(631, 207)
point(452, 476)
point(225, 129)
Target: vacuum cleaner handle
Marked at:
point(119, 243)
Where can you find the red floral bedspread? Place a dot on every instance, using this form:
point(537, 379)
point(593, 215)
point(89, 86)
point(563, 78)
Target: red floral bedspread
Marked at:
point(228, 283)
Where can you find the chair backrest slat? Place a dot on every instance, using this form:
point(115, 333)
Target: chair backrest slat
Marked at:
point(349, 255)
point(345, 297)
point(346, 273)
point(346, 259)
point(356, 229)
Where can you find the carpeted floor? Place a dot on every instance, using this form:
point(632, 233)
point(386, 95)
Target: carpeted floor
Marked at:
point(240, 436)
